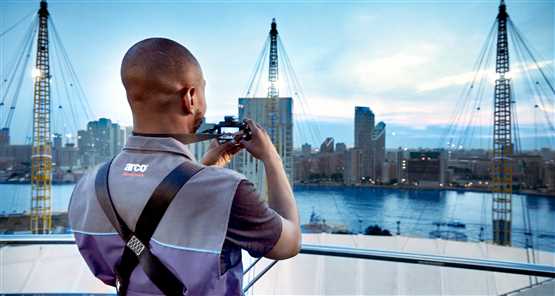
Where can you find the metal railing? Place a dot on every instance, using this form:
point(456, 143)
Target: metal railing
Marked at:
point(345, 252)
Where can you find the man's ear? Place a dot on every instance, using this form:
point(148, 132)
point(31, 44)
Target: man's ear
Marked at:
point(187, 97)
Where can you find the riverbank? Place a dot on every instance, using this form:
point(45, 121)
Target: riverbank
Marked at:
point(21, 223)
point(419, 188)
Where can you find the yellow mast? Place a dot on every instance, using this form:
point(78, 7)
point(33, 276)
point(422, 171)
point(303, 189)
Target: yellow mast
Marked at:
point(41, 159)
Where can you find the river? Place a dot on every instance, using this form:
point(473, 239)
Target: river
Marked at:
point(418, 211)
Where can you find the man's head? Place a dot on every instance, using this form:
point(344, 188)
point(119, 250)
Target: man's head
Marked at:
point(165, 87)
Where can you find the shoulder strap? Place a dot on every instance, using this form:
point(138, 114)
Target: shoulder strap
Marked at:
point(137, 249)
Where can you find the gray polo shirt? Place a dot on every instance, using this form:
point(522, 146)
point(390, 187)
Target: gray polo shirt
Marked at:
point(252, 225)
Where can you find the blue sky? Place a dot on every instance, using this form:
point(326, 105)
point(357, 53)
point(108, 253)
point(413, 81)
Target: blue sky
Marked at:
point(406, 60)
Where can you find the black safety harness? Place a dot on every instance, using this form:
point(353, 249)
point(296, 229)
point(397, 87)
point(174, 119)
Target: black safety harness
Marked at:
point(137, 250)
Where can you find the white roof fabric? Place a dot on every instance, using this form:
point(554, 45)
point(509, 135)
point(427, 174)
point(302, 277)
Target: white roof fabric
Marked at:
point(60, 269)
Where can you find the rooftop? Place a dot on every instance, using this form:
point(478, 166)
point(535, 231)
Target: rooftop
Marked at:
point(31, 266)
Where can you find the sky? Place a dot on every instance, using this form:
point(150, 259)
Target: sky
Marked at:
point(406, 60)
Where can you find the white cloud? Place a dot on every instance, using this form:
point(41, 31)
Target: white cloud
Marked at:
point(373, 73)
point(489, 74)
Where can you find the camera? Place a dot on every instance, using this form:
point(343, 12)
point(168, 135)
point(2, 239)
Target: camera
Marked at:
point(225, 130)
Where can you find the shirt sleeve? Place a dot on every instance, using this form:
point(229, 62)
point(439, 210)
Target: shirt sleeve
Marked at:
point(253, 226)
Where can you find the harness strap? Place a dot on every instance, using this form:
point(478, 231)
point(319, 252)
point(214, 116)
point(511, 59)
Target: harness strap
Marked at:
point(137, 248)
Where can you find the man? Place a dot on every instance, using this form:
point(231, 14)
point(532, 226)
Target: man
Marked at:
point(205, 223)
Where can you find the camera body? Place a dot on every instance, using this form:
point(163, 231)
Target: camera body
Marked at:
point(225, 130)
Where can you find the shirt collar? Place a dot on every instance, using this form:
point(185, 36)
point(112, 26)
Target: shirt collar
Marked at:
point(158, 142)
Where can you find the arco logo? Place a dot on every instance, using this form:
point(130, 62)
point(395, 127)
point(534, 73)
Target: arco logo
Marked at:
point(134, 169)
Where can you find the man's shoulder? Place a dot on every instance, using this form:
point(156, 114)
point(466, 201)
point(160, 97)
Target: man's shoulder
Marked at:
point(224, 173)
point(86, 182)
point(82, 193)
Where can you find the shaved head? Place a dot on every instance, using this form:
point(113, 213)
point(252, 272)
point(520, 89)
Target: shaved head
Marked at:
point(162, 78)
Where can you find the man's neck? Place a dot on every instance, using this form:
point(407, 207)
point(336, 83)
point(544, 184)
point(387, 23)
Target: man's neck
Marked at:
point(183, 138)
point(161, 125)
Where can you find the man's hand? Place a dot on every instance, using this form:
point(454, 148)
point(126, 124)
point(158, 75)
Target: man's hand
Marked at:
point(260, 145)
point(220, 154)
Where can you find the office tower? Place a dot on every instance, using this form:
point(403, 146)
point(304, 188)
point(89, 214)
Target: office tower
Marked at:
point(340, 147)
point(306, 149)
point(378, 150)
point(4, 136)
point(256, 109)
point(327, 146)
point(364, 127)
point(99, 142)
point(351, 173)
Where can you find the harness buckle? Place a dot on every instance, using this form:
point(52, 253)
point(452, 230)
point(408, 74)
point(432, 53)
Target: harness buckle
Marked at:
point(135, 245)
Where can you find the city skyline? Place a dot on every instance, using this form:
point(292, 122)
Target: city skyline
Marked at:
point(404, 73)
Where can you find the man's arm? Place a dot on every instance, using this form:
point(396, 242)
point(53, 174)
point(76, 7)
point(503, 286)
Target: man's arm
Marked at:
point(280, 194)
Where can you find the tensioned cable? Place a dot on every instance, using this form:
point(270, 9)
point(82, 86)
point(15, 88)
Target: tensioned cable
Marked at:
point(534, 88)
point(83, 100)
point(65, 83)
point(17, 61)
point(299, 90)
point(465, 92)
point(17, 74)
point(17, 23)
point(15, 99)
point(257, 68)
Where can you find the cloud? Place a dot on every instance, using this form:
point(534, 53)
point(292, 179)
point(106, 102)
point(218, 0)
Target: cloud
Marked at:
point(372, 72)
point(467, 77)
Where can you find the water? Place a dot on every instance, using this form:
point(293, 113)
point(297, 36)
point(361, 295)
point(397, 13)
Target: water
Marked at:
point(417, 210)
point(358, 208)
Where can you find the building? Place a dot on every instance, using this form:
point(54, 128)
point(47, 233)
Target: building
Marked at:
point(528, 171)
point(325, 166)
point(128, 132)
point(306, 149)
point(370, 140)
point(4, 136)
point(401, 164)
point(256, 109)
point(364, 127)
point(340, 147)
point(99, 142)
point(57, 150)
point(549, 173)
point(425, 168)
point(15, 156)
point(351, 173)
point(378, 151)
point(327, 146)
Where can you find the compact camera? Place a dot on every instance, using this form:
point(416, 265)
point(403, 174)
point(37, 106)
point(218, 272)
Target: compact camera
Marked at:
point(226, 130)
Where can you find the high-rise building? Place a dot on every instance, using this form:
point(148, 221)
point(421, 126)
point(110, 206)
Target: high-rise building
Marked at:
point(65, 157)
point(327, 146)
point(4, 136)
point(306, 149)
point(351, 173)
point(364, 127)
point(128, 132)
point(274, 113)
point(256, 109)
point(340, 147)
point(99, 142)
point(378, 151)
point(57, 150)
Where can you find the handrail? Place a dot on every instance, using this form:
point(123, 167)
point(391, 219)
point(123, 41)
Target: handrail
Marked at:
point(435, 260)
point(347, 252)
point(36, 239)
